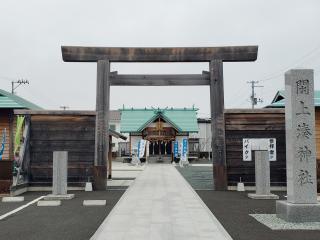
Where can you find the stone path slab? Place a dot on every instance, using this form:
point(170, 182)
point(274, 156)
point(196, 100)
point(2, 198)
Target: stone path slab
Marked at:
point(160, 204)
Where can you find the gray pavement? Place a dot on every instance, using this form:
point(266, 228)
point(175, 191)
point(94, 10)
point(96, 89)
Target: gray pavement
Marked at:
point(233, 210)
point(160, 204)
point(71, 220)
point(6, 207)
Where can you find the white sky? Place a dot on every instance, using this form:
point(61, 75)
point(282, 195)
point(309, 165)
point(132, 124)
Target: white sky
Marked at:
point(32, 32)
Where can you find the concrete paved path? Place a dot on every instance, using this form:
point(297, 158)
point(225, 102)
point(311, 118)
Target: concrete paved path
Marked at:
point(160, 204)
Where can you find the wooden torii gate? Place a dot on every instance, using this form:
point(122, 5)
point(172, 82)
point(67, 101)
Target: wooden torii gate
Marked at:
point(104, 56)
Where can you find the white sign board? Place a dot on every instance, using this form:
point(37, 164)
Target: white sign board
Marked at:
point(246, 149)
point(141, 148)
point(256, 144)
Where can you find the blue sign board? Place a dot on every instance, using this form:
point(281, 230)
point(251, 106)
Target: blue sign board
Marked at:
point(176, 148)
point(184, 146)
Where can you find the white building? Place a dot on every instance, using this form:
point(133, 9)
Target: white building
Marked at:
point(114, 124)
point(202, 139)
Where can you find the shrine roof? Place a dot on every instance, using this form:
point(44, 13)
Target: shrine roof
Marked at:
point(182, 119)
point(279, 99)
point(8, 100)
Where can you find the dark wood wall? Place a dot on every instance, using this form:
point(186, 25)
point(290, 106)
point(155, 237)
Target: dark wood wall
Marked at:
point(259, 123)
point(317, 113)
point(74, 134)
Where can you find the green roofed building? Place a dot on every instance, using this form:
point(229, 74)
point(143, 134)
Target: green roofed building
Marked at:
point(160, 127)
point(9, 102)
point(279, 100)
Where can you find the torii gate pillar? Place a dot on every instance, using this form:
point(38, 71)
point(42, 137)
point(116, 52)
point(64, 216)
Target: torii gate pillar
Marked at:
point(102, 126)
point(218, 125)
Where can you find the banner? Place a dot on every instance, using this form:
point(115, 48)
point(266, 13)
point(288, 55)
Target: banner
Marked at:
point(141, 148)
point(17, 138)
point(175, 149)
point(3, 143)
point(184, 150)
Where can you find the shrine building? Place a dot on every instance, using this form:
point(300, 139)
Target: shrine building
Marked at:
point(160, 127)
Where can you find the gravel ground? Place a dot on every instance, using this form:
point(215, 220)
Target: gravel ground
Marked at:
point(199, 177)
point(275, 223)
point(69, 221)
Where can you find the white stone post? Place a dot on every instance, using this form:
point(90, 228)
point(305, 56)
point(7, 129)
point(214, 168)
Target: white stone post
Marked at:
point(60, 173)
point(262, 175)
point(59, 177)
point(301, 204)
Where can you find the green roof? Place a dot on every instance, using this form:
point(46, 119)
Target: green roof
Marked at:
point(8, 100)
point(182, 119)
point(279, 100)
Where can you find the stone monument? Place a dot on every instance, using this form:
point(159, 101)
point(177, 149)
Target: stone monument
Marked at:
point(301, 204)
point(262, 175)
point(59, 177)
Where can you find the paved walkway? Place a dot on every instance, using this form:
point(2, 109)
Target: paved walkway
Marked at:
point(160, 204)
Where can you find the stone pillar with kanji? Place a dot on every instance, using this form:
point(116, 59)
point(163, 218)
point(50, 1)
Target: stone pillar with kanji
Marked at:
point(301, 204)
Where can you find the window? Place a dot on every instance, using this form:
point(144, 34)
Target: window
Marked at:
point(113, 127)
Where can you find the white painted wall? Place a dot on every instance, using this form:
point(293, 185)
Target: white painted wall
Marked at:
point(134, 142)
point(117, 140)
point(204, 136)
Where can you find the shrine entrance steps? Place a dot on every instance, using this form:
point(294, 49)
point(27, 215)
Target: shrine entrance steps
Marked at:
point(159, 159)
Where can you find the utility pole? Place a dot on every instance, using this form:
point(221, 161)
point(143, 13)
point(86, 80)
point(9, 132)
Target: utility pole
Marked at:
point(64, 107)
point(19, 82)
point(253, 98)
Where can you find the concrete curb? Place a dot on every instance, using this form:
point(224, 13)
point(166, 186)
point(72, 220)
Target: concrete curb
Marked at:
point(59, 197)
point(53, 203)
point(12, 199)
point(94, 202)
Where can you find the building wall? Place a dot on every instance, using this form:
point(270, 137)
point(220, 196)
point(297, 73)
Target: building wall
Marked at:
point(134, 142)
point(318, 144)
point(124, 148)
point(318, 133)
point(115, 141)
point(75, 134)
point(204, 136)
point(4, 124)
point(259, 123)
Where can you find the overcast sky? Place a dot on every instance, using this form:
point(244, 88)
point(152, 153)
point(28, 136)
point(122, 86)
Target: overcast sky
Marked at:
point(32, 32)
